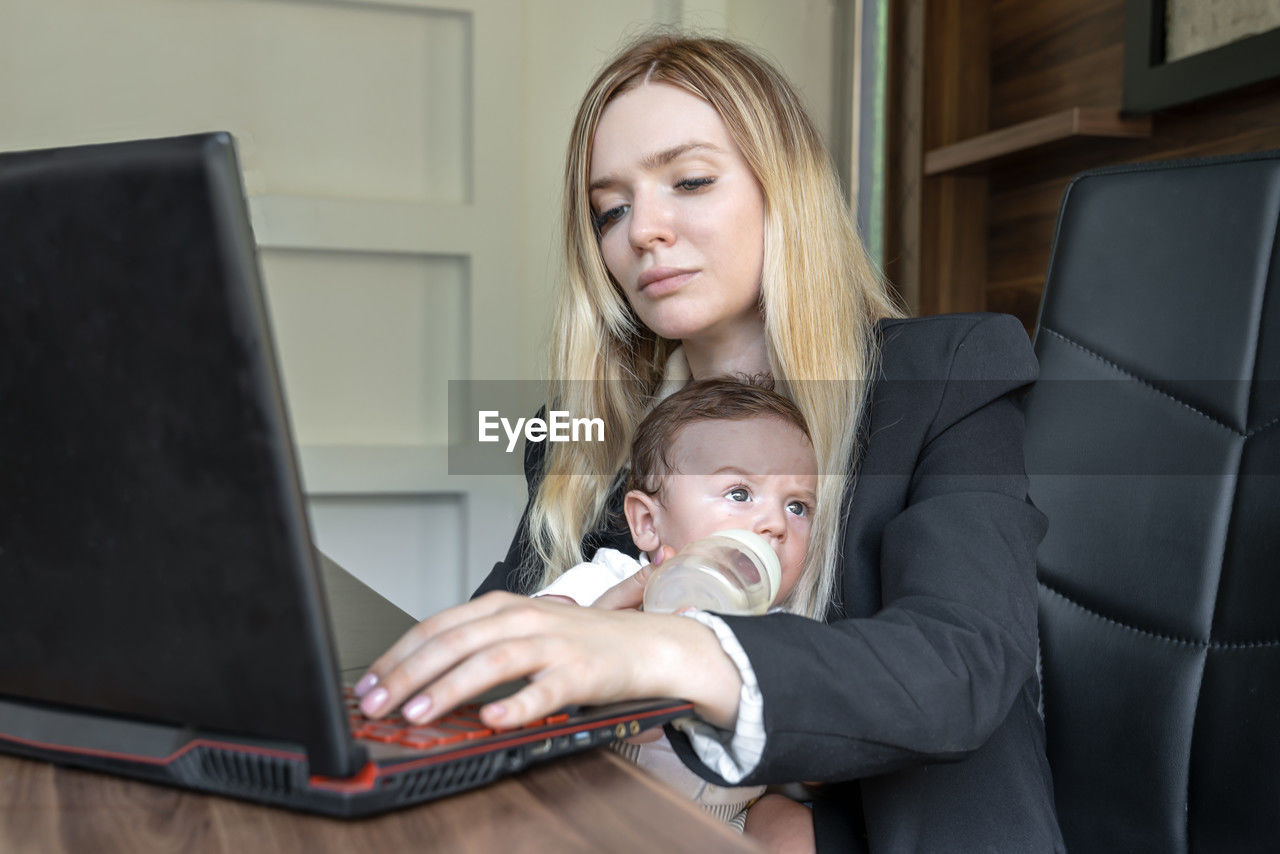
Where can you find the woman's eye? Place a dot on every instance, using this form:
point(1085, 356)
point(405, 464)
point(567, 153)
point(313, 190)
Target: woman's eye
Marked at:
point(739, 493)
point(694, 183)
point(798, 508)
point(604, 220)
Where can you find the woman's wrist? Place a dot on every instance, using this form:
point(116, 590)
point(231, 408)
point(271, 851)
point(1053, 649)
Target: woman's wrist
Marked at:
point(713, 684)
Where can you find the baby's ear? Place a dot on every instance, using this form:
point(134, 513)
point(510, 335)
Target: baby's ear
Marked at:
point(640, 509)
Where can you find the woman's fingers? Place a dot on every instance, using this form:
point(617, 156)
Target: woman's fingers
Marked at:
point(499, 662)
point(471, 658)
point(545, 695)
point(432, 645)
point(570, 676)
point(433, 625)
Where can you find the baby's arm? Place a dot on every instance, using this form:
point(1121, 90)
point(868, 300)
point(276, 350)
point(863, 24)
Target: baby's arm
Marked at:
point(782, 825)
point(585, 583)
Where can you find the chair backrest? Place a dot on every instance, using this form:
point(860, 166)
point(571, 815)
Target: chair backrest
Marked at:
point(1153, 445)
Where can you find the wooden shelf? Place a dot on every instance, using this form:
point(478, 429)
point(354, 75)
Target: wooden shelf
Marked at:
point(1077, 121)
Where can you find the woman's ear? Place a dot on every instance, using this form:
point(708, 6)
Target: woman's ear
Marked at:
point(640, 509)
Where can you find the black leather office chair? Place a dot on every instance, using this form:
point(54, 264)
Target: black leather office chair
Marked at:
point(1153, 444)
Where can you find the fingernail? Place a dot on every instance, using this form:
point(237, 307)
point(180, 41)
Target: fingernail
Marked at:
point(496, 710)
point(372, 703)
point(417, 708)
point(366, 682)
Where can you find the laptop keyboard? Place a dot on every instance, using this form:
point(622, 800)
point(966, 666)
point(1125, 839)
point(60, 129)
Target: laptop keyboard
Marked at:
point(462, 724)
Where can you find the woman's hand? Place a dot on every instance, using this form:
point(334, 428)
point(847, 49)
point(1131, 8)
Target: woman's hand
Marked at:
point(570, 655)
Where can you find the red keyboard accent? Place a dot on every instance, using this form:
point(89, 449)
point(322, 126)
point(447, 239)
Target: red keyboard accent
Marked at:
point(463, 724)
point(423, 737)
point(377, 731)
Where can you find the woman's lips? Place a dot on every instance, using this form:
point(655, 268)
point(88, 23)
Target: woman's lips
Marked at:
point(661, 281)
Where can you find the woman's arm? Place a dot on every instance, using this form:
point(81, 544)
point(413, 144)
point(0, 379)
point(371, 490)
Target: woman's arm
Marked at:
point(570, 655)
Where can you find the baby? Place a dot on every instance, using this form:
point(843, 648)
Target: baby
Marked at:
point(717, 454)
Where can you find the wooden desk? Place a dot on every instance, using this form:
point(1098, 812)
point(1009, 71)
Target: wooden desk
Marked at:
point(591, 802)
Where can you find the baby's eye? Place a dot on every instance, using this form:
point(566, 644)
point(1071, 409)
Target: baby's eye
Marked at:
point(798, 508)
point(739, 493)
point(604, 220)
point(694, 183)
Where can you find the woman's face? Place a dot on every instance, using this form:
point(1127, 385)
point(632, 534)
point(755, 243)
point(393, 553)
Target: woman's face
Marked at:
point(680, 215)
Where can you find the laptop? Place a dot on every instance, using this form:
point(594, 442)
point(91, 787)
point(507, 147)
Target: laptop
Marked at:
point(162, 609)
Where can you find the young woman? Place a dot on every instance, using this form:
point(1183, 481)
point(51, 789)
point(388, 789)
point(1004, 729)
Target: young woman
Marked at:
point(705, 236)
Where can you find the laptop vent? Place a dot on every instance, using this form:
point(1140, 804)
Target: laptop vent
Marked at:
point(236, 772)
point(451, 777)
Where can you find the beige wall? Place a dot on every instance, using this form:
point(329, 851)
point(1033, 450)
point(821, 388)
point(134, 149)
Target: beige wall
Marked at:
point(403, 161)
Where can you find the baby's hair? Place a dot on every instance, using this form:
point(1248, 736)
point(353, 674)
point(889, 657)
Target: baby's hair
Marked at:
point(702, 400)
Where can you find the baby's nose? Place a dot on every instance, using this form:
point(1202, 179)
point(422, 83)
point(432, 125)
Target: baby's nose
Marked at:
point(771, 524)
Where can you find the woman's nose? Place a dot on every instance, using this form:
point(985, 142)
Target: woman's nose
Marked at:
point(650, 222)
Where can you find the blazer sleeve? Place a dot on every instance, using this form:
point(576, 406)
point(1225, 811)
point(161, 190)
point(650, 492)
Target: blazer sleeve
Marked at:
point(932, 674)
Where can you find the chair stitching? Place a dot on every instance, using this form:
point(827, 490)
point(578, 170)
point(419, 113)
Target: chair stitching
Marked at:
point(1222, 560)
point(1214, 645)
point(1256, 430)
point(1213, 615)
point(1191, 735)
point(1146, 383)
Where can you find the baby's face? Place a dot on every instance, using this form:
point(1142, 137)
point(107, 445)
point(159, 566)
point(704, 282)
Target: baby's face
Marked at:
point(759, 474)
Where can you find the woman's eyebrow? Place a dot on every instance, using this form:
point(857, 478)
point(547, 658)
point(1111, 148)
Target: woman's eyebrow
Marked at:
point(658, 159)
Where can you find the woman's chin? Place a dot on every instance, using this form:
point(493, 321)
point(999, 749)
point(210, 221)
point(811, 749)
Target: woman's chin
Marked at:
point(692, 323)
point(673, 329)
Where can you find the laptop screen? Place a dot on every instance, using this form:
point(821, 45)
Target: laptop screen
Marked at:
point(155, 558)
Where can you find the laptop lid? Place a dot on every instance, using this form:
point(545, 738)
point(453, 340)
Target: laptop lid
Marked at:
point(155, 556)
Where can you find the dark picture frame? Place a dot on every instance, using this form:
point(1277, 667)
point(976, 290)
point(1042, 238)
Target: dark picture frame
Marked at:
point(1152, 84)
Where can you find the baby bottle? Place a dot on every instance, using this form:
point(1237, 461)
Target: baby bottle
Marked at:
point(730, 572)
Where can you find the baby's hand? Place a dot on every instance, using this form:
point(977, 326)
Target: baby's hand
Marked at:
point(629, 592)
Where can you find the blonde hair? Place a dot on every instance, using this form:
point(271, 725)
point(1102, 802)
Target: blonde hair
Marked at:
point(820, 296)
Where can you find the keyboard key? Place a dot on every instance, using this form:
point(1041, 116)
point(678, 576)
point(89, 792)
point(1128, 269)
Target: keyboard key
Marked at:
point(386, 733)
point(462, 725)
point(424, 737)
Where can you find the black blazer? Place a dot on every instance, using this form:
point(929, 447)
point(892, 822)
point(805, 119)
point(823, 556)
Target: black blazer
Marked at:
point(917, 699)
